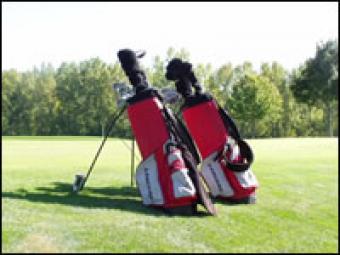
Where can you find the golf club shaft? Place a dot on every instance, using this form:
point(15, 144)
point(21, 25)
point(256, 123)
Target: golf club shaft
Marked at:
point(115, 118)
point(132, 160)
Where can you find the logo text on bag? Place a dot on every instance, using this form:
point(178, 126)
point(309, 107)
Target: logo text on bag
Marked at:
point(147, 179)
point(215, 177)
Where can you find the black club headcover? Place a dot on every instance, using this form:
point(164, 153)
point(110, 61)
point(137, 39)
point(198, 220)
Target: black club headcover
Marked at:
point(182, 73)
point(129, 62)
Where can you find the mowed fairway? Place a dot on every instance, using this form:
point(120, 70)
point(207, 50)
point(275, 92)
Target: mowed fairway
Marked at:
point(296, 210)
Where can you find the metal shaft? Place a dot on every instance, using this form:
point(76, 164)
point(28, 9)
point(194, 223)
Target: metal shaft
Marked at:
point(115, 118)
point(132, 160)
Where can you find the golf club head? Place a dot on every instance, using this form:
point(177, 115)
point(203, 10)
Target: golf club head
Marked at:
point(123, 93)
point(170, 95)
point(78, 183)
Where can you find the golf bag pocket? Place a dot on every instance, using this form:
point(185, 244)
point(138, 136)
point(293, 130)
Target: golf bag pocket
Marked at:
point(163, 180)
point(223, 176)
point(215, 178)
point(148, 182)
point(182, 184)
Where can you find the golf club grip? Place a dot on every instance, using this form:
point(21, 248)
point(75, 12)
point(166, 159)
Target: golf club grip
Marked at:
point(116, 117)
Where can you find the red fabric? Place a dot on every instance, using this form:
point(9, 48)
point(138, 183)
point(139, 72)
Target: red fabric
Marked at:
point(206, 127)
point(150, 130)
point(148, 125)
point(239, 191)
point(164, 176)
point(177, 165)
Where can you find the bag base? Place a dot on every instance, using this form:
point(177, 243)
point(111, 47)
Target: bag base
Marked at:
point(187, 210)
point(247, 200)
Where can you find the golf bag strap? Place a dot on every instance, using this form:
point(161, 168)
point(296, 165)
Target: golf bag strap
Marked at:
point(245, 150)
point(246, 154)
point(229, 123)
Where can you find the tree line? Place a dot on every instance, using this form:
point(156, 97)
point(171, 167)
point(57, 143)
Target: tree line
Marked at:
point(77, 98)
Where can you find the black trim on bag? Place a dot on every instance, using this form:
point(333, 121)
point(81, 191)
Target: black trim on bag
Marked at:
point(246, 153)
point(229, 123)
point(191, 101)
point(144, 94)
point(245, 150)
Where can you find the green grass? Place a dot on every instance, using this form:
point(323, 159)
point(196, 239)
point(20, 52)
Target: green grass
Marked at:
point(296, 210)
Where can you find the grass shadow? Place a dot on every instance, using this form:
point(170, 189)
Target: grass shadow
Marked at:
point(118, 198)
point(229, 202)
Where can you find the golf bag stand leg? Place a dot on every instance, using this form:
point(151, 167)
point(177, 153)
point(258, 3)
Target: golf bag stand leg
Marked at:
point(80, 180)
point(132, 160)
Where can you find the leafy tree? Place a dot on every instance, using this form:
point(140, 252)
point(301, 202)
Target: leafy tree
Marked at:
point(86, 99)
point(44, 102)
point(279, 77)
point(220, 83)
point(254, 98)
point(77, 99)
point(10, 83)
point(204, 74)
point(20, 114)
point(318, 82)
point(182, 54)
point(156, 76)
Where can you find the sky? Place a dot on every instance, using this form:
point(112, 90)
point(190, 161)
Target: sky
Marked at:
point(215, 33)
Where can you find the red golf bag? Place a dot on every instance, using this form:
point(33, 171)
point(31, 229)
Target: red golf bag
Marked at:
point(167, 177)
point(226, 157)
point(162, 177)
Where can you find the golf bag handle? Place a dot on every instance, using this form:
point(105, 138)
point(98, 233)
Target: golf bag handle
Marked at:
point(110, 127)
point(245, 150)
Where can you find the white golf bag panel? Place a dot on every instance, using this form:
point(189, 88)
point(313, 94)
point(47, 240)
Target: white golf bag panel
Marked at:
point(148, 182)
point(222, 181)
point(163, 179)
point(247, 179)
point(215, 178)
point(182, 184)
